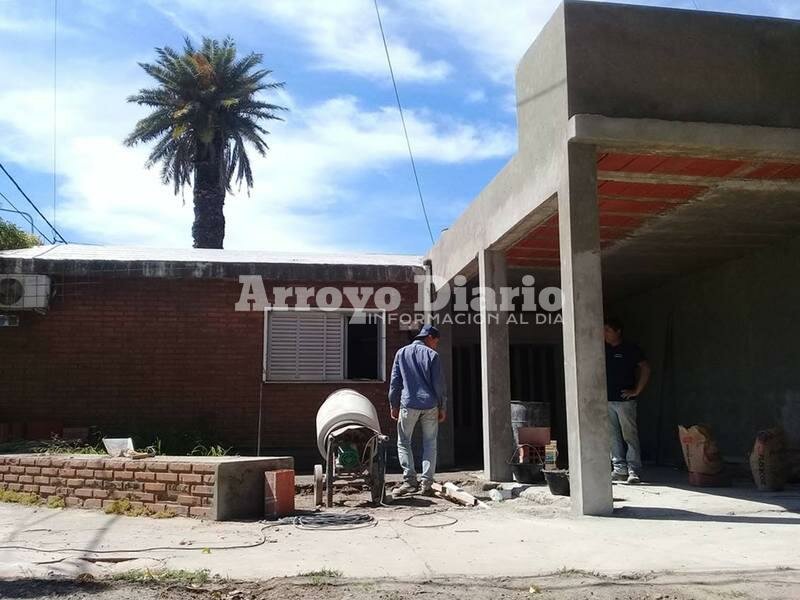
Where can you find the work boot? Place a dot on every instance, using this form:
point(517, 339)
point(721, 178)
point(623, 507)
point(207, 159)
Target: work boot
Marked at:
point(619, 476)
point(633, 478)
point(427, 488)
point(405, 489)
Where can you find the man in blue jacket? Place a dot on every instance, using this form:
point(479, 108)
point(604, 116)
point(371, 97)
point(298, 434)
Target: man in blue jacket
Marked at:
point(417, 394)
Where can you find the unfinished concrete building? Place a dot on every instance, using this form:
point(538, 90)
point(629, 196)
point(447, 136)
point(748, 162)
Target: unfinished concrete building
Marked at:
point(658, 176)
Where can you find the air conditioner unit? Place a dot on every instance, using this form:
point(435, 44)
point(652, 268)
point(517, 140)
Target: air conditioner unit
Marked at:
point(24, 292)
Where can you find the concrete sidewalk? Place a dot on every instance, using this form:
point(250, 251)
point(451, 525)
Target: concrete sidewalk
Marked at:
point(656, 528)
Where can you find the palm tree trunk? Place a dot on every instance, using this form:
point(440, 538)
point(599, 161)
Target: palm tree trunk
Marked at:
point(208, 230)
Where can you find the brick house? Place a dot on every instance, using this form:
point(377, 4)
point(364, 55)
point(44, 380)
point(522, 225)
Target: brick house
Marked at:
point(148, 342)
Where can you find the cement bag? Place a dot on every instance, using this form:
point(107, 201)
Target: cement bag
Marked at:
point(768, 460)
point(700, 450)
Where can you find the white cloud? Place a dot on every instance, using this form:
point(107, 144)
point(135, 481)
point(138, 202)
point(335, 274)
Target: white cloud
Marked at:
point(495, 35)
point(342, 35)
point(303, 189)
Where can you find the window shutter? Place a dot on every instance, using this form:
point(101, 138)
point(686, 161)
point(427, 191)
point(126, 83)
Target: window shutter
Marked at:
point(305, 346)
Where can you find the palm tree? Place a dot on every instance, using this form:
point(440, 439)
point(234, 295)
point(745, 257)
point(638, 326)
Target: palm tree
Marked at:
point(204, 112)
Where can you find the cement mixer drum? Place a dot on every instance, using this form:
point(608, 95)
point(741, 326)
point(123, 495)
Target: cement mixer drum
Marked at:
point(342, 408)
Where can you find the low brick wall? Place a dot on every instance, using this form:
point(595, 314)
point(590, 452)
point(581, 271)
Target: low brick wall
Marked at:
point(183, 485)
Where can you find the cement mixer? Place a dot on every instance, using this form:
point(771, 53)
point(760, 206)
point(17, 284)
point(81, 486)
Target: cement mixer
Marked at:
point(349, 438)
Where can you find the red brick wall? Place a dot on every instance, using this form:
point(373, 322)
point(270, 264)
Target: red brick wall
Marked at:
point(161, 355)
point(184, 488)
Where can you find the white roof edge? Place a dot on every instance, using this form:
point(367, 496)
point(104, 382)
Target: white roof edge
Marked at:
point(83, 252)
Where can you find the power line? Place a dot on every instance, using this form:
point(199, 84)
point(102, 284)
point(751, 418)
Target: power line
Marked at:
point(26, 215)
point(403, 120)
point(36, 208)
point(55, 101)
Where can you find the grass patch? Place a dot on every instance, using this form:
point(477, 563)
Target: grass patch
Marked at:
point(56, 445)
point(164, 576)
point(56, 502)
point(322, 576)
point(330, 573)
point(24, 498)
point(124, 507)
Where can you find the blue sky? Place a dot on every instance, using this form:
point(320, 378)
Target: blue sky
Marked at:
point(337, 177)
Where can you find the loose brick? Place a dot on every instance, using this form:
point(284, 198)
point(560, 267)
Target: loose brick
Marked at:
point(200, 511)
point(44, 461)
point(47, 490)
point(84, 492)
point(181, 511)
point(144, 496)
point(144, 476)
point(72, 501)
point(134, 465)
point(188, 500)
point(202, 490)
point(57, 462)
point(191, 478)
point(27, 461)
point(167, 477)
point(123, 475)
point(157, 466)
point(85, 473)
point(96, 463)
point(209, 479)
point(155, 487)
point(92, 503)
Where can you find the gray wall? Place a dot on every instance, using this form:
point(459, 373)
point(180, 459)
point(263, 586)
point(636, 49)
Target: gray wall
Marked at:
point(724, 345)
point(645, 62)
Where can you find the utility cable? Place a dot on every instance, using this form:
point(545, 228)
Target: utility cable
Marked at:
point(36, 208)
point(403, 121)
point(55, 102)
point(29, 218)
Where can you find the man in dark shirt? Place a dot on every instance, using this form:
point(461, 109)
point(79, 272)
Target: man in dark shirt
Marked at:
point(627, 374)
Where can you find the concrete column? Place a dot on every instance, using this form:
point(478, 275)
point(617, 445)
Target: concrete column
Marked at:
point(498, 441)
point(584, 350)
point(446, 430)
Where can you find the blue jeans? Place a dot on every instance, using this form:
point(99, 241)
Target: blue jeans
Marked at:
point(624, 432)
point(408, 418)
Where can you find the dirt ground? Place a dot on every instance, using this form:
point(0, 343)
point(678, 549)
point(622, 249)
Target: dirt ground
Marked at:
point(565, 586)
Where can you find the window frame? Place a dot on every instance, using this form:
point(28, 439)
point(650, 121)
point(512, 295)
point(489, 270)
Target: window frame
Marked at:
point(344, 313)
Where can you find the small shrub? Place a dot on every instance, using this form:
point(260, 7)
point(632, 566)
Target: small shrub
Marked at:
point(124, 507)
point(24, 498)
point(165, 576)
point(163, 514)
point(56, 502)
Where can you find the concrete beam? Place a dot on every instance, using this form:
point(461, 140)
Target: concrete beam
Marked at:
point(498, 442)
point(584, 361)
point(719, 140)
point(446, 429)
point(727, 183)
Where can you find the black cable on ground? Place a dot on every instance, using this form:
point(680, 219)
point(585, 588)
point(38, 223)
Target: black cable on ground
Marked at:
point(332, 522)
point(452, 521)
